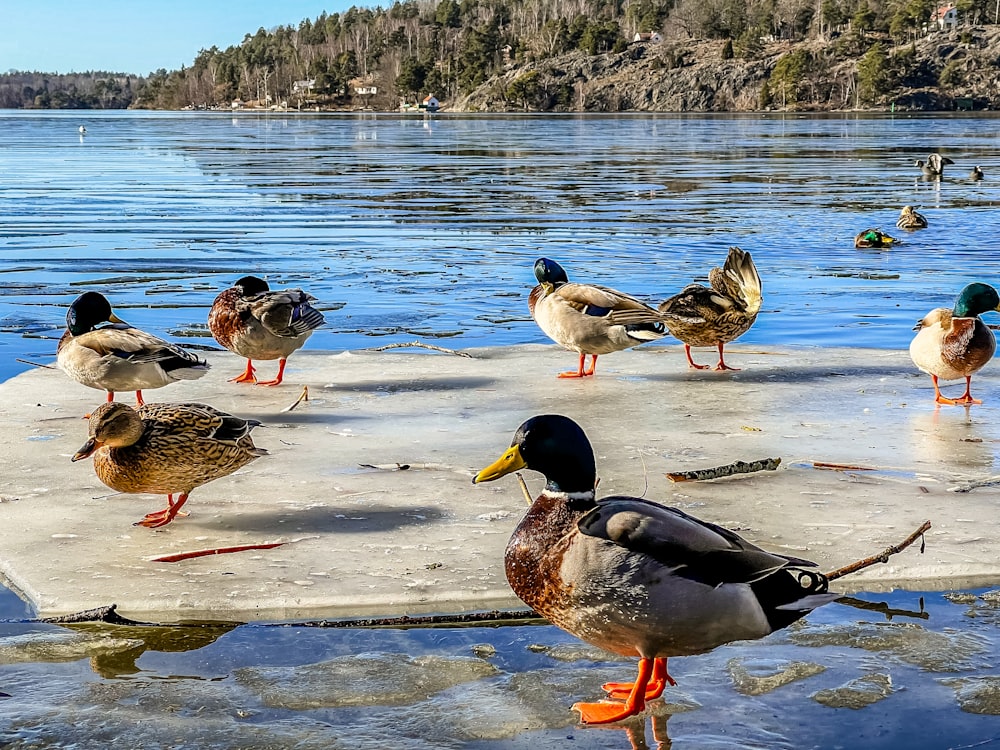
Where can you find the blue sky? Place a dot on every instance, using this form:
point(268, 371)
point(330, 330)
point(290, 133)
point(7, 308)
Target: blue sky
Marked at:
point(58, 36)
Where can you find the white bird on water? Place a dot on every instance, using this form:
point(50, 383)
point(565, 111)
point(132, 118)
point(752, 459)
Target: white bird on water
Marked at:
point(82, 130)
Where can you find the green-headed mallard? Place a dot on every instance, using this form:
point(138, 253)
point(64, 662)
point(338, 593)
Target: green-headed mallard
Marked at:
point(874, 238)
point(634, 577)
point(910, 218)
point(954, 344)
point(254, 322)
point(934, 166)
point(976, 174)
point(166, 449)
point(117, 357)
point(589, 319)
point(703, 316)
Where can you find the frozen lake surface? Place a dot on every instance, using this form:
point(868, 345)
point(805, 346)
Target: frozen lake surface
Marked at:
point(410, 228)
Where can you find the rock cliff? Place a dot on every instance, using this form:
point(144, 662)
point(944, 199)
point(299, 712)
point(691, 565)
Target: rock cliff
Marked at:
point(940, 71)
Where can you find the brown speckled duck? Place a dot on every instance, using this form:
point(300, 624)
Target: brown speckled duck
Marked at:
point(251, 320)
point(587, 318)
point(634, 577)
point(954, 344)
point(102, 351)
point(166, 449)
point(703, 316)
point(910, 218)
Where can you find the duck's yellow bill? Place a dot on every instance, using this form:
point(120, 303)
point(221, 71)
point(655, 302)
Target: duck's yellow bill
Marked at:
point(509, 462)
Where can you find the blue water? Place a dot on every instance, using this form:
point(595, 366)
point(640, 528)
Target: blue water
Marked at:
point(410, 228)
point(406, 227)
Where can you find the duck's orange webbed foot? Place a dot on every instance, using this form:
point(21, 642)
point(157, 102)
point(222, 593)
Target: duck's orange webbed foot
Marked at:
point(722, 362)
point(165, 516)
point(247, 377)
point(966, 400)
point(691, 364)
point(605, 712)
point(277, 380)
point(580, 372)
point(657, 683)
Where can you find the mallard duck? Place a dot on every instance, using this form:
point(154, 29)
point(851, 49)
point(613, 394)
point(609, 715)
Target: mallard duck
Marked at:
point(954, 344)
point(909, 218)
point(254, 322)
point(117, 357)
point(589, 319)
point(934, 166)
point(976, 174)
point(166, 449)
point(874, 238)
point(634, 577)
point(703, 316)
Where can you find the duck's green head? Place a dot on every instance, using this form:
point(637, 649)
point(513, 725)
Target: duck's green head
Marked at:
point(251, 286)
point(976, 299)
point(553, 445)
point(87, 312)
point(549, 272)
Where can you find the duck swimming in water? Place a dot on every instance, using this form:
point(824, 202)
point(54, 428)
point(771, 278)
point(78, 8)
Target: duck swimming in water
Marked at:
point(909, 218)
point(934, 166)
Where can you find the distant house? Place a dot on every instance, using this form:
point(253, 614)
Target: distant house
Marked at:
point(300, 87)
point(944, 18)
point(430, 103)
point(366, 90)
point(652, 37)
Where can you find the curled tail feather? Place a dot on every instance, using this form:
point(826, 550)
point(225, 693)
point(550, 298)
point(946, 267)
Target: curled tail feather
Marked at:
point(740, 279)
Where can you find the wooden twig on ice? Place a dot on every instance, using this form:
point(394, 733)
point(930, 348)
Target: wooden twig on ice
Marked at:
point(739, 467)
point(304, 396)
point(882, 557)
point(969, 486)
point(841, 467)
point(177, 557)
point(420, 345)
point(34, 364)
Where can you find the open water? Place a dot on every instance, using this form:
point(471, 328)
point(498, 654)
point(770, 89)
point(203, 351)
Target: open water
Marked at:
point(410, 228)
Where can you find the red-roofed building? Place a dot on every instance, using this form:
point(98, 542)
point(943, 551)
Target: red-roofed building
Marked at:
point(944, 17)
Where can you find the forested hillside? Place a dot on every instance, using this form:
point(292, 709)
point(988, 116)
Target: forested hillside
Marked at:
point(92, 90)
point(587, 55)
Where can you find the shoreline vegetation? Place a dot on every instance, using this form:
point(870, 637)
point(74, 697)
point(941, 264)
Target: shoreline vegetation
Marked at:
point(575, 56)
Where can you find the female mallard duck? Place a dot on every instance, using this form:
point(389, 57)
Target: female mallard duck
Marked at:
point(703, 316)
point(909, 218)
point(874, 238)
point(254, 322)
point(166, 449)
point(589, 319)
point(634, 577)
point(954, 344)
point(976, 174)
point(934, 166)
point(116, 356)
